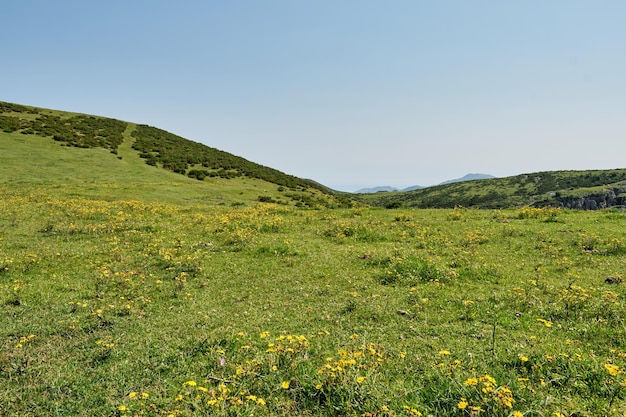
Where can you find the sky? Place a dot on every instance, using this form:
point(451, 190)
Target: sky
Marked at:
point(349, 93)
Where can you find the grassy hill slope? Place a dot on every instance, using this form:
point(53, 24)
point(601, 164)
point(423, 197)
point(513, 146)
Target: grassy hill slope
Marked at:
point(574, 189)
point(107, 158)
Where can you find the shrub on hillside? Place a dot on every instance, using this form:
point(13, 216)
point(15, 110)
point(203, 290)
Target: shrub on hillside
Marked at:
point(199, 174)
point(10, 124)
point(179, 154)
point(79, 131)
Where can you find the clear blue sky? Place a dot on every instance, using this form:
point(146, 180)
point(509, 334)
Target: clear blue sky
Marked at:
point(351, 93)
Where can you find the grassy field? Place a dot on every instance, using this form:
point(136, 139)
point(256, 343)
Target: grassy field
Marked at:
point(127, 290)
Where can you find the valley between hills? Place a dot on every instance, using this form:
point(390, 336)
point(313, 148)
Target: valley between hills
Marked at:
point(142, 274)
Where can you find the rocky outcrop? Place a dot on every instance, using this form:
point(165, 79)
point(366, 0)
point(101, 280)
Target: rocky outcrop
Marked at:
point(608, 198)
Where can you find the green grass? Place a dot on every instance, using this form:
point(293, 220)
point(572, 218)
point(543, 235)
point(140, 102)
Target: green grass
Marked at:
point(273, 310)
point(130, 290)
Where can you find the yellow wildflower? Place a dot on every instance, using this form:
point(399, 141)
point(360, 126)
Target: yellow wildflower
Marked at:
point(462, 404)
point(471, 381)
point(612, 369)
point(285, 385)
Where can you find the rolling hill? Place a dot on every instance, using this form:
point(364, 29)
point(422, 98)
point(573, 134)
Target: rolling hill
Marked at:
point(571, 189)
point(82, 149)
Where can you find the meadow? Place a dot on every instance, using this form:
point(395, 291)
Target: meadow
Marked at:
point(129, 290)
point(128, 307)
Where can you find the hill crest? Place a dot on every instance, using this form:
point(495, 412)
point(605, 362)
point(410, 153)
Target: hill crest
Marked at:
point(148, 146)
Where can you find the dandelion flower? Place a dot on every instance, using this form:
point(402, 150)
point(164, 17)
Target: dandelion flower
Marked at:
point(285, 385)
point(444, 352)
point(360, 380)
point(462, 405)
point(471, 381)
point(612, 369)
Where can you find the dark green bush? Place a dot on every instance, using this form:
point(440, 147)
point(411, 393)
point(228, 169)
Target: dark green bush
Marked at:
point(198, 174)
point(10, 124)
point(179, 154)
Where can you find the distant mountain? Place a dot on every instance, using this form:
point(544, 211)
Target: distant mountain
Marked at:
point(412, 187)
point(375, 189)
point(469, 177)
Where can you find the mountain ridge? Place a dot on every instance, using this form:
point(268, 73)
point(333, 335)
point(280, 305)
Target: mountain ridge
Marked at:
point(386, 188)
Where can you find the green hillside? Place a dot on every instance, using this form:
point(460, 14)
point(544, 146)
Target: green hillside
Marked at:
point(122, 157)
point(570, 189)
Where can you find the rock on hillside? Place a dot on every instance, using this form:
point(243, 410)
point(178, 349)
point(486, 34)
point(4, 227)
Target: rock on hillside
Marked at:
point(608, 198)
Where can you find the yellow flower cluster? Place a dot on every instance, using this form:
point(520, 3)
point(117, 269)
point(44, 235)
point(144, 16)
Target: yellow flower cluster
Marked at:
point(347, 365)
point(288, 344)
point(218, 398)
point(24, 340)
point(487, 393)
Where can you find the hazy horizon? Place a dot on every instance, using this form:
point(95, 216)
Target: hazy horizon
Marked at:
point(351, 94)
